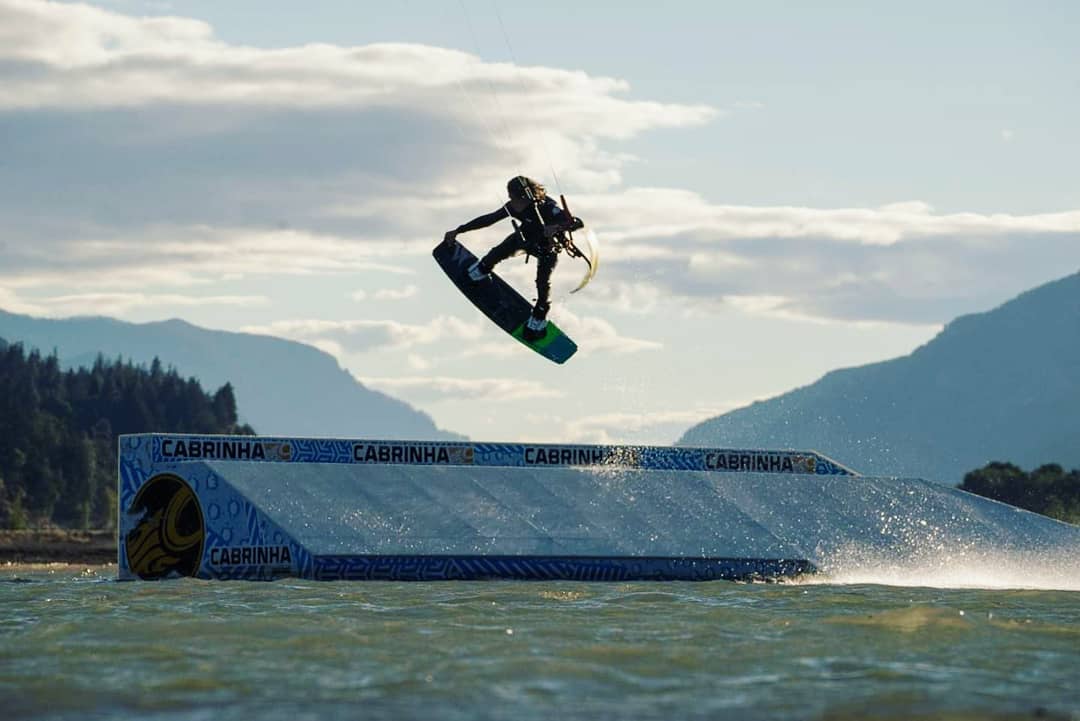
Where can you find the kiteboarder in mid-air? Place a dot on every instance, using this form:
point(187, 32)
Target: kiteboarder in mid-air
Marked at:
point(539, 224)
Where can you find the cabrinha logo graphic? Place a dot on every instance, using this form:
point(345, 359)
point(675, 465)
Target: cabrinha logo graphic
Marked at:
point(169, 537)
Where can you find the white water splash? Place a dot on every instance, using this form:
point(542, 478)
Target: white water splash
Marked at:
point(1055, 569)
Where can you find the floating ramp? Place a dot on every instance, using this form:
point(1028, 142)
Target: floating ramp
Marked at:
point(243, 507)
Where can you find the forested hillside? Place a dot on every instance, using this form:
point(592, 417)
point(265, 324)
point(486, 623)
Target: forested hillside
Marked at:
point(58, 431)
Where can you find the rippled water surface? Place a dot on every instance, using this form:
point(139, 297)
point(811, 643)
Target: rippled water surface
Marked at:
point(76, 644)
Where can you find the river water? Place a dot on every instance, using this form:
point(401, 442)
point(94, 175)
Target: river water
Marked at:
point(76, 644)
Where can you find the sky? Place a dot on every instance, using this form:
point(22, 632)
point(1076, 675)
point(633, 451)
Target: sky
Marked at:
point(777, 191)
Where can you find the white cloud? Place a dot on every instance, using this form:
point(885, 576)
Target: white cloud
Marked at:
point(193, 255)
point(445, 338)
point(88, 57)
point(901, 262)
point(647, 214)
point(790, 308)
point(627, 294)
point(492, 350)
point(13, 303)
point(602, 336)
point(119, 304)
point(360, 336)
point(387, 294)
point(199, 161)
point(418, 362)
point(408, 291)
point(632, 427)
point(421, 389)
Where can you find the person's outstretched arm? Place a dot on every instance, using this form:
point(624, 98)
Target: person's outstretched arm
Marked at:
point(476, 223)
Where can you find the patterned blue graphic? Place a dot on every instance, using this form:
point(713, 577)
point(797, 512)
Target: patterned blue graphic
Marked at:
point(477, 568)
point(313, 450)
point(232, 520)
point(181, 448)
point(243, 542)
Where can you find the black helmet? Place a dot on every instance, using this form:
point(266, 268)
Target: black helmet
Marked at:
point(525, 188)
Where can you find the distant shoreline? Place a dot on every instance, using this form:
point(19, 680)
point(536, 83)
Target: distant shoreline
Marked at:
point(55, 545)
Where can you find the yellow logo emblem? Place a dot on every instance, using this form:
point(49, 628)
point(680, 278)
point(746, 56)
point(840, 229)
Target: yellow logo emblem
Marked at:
point(170, 534)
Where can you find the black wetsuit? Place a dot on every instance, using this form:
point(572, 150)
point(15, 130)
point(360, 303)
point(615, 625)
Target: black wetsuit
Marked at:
point(529, 238)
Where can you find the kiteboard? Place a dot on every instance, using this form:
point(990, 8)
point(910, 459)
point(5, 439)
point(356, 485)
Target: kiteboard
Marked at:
point(496, 299)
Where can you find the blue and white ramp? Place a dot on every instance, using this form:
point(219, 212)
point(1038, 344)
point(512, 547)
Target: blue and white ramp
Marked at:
point(235, 507)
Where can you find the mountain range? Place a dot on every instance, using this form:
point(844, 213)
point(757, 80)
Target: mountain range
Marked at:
point(1001, 385)
point(282, 387)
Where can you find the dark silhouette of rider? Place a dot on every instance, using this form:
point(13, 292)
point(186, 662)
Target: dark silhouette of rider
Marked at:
point(539, 221)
